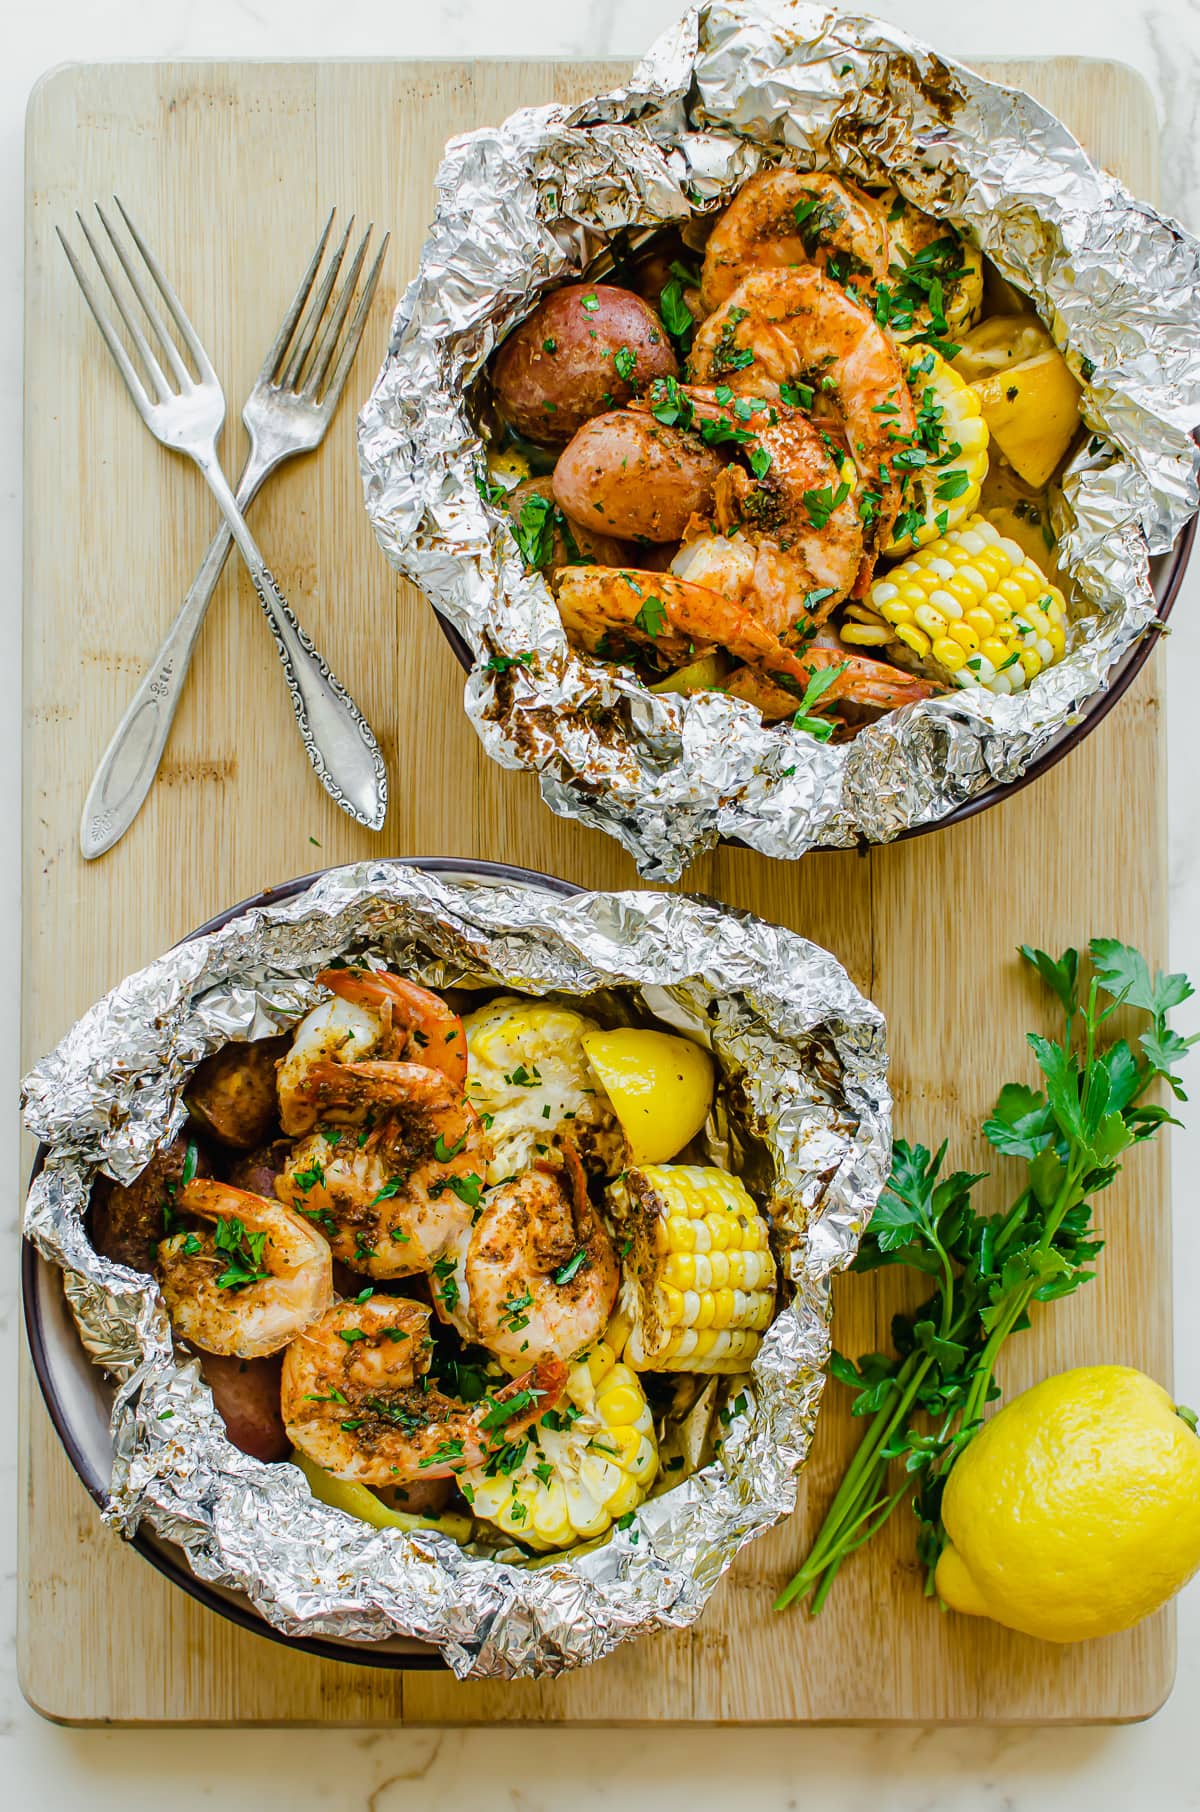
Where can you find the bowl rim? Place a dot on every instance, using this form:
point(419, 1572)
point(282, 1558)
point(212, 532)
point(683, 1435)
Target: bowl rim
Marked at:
point(167, 1557)
point(1094, 710)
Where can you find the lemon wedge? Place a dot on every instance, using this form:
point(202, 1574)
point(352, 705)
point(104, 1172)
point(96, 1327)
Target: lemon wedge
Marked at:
point(660, 1086)
point(357, 1500)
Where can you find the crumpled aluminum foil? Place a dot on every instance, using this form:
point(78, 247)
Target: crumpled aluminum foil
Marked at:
point(527, 205)
point(806, 1054)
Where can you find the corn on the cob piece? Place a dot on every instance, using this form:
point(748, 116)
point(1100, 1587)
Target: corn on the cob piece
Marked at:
point(971, 604)
point(588, 1461)
point(699, 1282)
point(528, 1075)
point(941, 493)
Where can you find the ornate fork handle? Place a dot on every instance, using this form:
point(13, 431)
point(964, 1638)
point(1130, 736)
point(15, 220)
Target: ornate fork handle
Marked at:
point(334, 732)
point(130, 762)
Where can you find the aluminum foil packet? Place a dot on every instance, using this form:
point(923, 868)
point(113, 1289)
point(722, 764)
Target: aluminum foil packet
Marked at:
point(528, 205)
point(804, 1061)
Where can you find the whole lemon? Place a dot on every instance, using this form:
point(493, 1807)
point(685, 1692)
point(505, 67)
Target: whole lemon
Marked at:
point(1076, 1510)
point(660, 1086)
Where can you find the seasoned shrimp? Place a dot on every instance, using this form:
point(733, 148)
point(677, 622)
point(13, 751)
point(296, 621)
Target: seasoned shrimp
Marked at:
point(784, 538)
point(806, 333)
point(395, 1170)
point(373, 1013)
point(614, 613)
point(785, 218)
point(356, 1398)
point(539, 1275)
point(251, 1286)
point(873, 685)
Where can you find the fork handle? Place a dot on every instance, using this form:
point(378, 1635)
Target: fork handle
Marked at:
point(130, 762)
point(339, 741)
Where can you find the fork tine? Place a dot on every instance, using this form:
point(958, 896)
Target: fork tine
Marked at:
point(157, 376)
point(290, 378)
point(136, 388)
point(333, 327)
point(187, 331)
point(183, 376)
point(283, 338)
point(355, 332)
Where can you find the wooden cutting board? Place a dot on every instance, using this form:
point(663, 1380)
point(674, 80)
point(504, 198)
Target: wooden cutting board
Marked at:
point(230, 168)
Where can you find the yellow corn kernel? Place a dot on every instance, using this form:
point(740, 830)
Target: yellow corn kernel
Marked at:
point(965, 636)
point(866, 635)
point(680, 1269)
point(1031, 662)
point(914, 639)
point(997, 653)
point(949, 655)
point(930, 620)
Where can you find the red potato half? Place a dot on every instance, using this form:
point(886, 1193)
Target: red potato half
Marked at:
point(597, 549)
point(246, 1392)
point(586, 347)
point(232, 1094)
point(631, 477)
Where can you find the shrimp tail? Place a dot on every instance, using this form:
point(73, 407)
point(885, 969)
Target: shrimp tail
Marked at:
point(428, 1023)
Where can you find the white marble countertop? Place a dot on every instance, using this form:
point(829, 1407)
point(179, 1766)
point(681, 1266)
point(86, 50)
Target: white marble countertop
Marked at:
point(902, 1770)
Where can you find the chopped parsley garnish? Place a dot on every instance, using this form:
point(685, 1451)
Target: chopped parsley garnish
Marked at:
point(624, 361)
point(549, 345)
point(443, 1152)
point(590, 303)
point(512, 1316)
point(675, 314)
point(727, 355)
point(448, 1291)
point(533, 530)
point(950, 486)
point(651, 617)
point(821, 504)
point(818, 684)
point(566, 1272)
point(500, 663)
point(350, 1335)
point(308, 1179)
point(797, 396)
point(243, 1251)
point(191, 1158)
point(467, 1188)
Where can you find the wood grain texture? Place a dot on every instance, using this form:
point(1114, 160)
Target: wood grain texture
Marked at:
point(231, 169)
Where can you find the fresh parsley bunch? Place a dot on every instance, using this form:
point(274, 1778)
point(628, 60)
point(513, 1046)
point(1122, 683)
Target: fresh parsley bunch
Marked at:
point(925, 1403)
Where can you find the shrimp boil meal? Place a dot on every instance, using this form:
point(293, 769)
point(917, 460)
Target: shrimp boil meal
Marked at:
point(799, 453)
point(461, 1259)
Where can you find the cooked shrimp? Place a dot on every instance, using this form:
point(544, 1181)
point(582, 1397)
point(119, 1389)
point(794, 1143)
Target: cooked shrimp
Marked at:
point(615, 613)
point(395, 1170)
point(873, 685)
point(251, 1286)
point(784, 218)
point(539, 1275)
point(806, 333)
point(784, 539)
point(373, 1014)
point(357, 1400)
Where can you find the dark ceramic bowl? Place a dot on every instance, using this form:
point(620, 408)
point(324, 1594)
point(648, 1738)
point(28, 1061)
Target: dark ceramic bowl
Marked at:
point(79, 1398)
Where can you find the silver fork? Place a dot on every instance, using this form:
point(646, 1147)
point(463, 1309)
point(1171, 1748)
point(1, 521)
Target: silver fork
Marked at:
point(287, 412)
